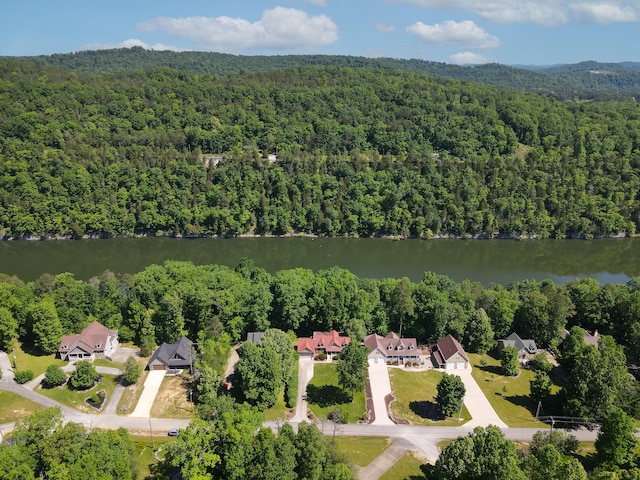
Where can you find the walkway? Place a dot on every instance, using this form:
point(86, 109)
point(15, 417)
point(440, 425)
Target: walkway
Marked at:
point(384, 462)
point(305, 374)
point(482, 413)
point(380, 388)
point(149, 392)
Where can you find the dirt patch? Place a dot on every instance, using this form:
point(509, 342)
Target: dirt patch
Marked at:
point(172, 400)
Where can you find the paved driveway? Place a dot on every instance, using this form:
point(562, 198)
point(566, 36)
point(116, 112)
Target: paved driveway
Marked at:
point(380, 388)
point(5, 366)
point(305, 374)
point(482, 413)
point(151, 387)
point(122, 353)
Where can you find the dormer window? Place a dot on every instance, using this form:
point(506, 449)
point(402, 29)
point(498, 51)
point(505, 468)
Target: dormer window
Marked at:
point(389, 347)
point(410, 347)
point(98, 345)
point(400, 347)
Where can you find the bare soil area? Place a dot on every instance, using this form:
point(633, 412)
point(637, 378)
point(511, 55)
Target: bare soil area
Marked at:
point(172, 400)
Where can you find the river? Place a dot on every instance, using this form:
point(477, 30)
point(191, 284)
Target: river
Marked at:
point(612, 260)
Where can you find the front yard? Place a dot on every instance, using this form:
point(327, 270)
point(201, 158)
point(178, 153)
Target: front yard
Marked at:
point(509, 396)
point(76, 399)
point(14, 407)
point(324, 394)
point(415, 394)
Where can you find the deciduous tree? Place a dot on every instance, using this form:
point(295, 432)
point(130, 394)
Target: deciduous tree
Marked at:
point(450, 395)
point(352, 368)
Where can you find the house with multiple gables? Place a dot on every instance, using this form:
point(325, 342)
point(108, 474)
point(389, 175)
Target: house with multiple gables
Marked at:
point(95, 341)
point(527, 348)
point(449, 354)
point(392, 349)
point(173, 356)
point(330, 343)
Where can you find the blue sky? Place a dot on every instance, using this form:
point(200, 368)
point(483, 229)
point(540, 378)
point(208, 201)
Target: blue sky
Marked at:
point(511, 32)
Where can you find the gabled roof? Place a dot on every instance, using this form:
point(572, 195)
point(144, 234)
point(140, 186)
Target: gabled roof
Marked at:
point(174, 355)
point(92, 339)
point(392, 345)
point(331, 342)
point(255, 337)
point(514, 340)
point(448, 347)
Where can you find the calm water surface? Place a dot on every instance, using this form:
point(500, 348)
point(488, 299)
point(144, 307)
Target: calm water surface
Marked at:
point(485, 261)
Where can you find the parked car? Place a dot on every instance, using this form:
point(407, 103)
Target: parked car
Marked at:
point(174, 432)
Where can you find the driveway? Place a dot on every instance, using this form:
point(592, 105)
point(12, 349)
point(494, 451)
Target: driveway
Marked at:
point(305, 374)
point(122, 353)
point(482, 413)
point(380, 388)
point(151, 387)
point(5, 366)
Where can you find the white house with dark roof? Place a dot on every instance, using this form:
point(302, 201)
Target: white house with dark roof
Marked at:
point(95, 341)
point(391, 349)
point(173, 356)
point(449, 354)
point(527, 348)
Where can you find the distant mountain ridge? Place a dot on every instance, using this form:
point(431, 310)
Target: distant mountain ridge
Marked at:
point(586, 80)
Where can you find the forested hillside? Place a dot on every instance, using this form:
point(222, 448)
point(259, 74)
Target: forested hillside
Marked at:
point(585, 80)
point(359, 152)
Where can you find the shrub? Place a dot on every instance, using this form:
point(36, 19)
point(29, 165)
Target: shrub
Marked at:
point(84, 376)
point(336, 416)
point(54, 376)
point(132, 371)
point(23, 376)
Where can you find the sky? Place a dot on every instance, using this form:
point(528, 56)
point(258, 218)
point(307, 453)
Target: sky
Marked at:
point(510, 32)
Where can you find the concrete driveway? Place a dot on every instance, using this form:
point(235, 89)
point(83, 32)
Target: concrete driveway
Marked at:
point(380, 388)
point(151, 388)
point(122, 353)
point(5, 366)
point(305, 374)
point(482, 413)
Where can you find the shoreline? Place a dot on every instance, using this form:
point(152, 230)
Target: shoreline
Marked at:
point(444, 236)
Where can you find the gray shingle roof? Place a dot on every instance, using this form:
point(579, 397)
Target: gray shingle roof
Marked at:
point(174, 355)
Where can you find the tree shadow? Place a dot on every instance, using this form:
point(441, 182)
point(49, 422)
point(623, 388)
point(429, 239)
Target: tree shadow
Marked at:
point(327, 395)
point(495, 369)
point(426, 409)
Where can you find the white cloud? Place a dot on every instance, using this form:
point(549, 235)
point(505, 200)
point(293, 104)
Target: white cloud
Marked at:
point(465, 34)
point(469, 58)
point(320, 3)
point(279, 28)
point(384, 27)
point(540, 12)
point(604, 13)
point(132, 42)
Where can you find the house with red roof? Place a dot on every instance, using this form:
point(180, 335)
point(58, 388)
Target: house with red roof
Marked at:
point(330, 343)
point(449, 354)
point(392, 349)
point(95, 341)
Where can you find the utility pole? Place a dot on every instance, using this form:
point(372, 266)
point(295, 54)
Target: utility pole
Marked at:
point(153, 443)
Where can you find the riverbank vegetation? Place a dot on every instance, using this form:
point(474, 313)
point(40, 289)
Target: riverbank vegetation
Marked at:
point(324, 150)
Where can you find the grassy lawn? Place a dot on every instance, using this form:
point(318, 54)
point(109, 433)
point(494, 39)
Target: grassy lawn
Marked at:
point(14, 407)
point(29, 360)
point(76, 399)
point(172, 400)
point(131, 395)
point(278, 411)
point(324, 394)
point(145, 461)
point(103, 362)
point(407, 468)
point(415, 394)
point(509, 396)
point(362, 450)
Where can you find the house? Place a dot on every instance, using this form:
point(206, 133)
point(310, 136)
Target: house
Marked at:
point(449, 354)
point(391, 349)
point(526, 348)
point(330, 343)
point(173, 356)
point(589, 339)
point(95, 341)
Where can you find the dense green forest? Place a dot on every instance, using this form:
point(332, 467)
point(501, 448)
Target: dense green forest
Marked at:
point(582, 80)
point(360, 151)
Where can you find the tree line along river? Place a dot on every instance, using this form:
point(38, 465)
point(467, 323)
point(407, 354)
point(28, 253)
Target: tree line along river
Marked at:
point(611, 260)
